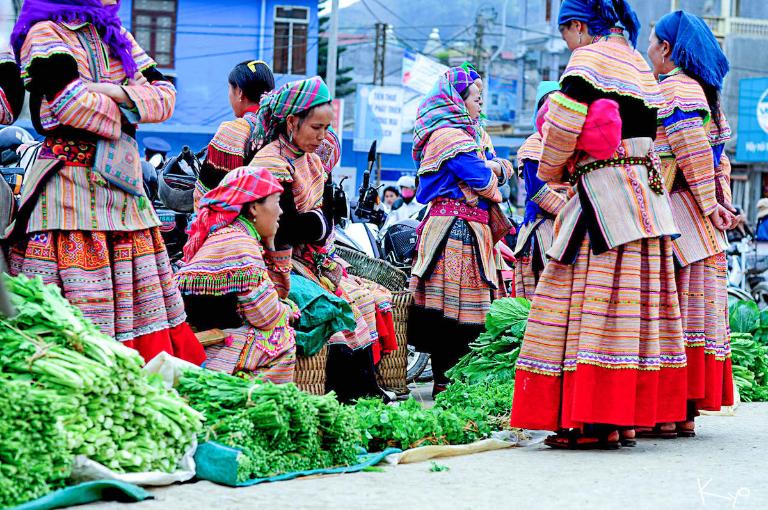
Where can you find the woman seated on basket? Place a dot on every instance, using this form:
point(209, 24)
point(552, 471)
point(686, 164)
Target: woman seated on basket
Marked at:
point(225, 282)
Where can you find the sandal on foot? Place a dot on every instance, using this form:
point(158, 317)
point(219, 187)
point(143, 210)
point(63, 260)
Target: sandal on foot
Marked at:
point(575, 440)
point(628, 437)
point(686, 429)
point(656, 432)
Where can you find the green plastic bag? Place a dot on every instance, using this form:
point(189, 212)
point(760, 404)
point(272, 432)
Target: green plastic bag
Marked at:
point(88, 492)
point(322, 315)
point(217, 463)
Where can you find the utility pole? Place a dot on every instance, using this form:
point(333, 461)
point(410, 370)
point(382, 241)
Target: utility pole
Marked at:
point(477, 52)
point(379, 57)
point(486, 89)
point(333, 48)
point(379, 54)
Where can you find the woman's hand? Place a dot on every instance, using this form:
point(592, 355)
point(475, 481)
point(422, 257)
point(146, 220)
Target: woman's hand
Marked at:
point(112, 91)
point(138, 79)
point(722, 218)
point(495, 167)
point(269, 243)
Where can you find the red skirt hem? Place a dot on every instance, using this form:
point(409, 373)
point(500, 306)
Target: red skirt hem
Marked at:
point(710, 381)
point(596, 395)
point(178, 341)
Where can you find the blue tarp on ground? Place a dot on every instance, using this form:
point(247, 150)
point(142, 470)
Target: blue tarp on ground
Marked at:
point(218, 463)
point(88, 492)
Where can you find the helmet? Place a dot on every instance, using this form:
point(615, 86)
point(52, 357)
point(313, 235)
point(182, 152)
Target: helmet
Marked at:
point(149, 174)
point(176, 182)
point(400, 242)
point(406, 181)
point(12, 137)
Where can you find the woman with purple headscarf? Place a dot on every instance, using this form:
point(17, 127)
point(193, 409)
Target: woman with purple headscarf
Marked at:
point(454, 276)
point(84, 222)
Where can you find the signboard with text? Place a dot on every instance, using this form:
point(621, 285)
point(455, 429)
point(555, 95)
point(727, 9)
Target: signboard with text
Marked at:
point(378, 116)
point(752, 135)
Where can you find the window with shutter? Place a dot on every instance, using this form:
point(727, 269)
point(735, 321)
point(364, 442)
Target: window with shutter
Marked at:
point(154, 27)
point(291, 35)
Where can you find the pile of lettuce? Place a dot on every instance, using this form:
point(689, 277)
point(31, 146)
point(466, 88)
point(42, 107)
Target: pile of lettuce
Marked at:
point(749, 350)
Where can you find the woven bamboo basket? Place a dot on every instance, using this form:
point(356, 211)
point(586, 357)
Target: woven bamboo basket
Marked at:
point(392, 369)
point(310, 372)
point(379, 271)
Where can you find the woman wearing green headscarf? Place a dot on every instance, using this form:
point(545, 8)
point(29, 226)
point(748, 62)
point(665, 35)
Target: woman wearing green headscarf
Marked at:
point(301, 150)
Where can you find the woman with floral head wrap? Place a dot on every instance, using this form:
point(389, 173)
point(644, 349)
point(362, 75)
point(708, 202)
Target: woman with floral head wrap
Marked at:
point(603, 348)
point(295, 126)
point(84, 221)
point(692, 132)
point(225, 282)
point(454, 275)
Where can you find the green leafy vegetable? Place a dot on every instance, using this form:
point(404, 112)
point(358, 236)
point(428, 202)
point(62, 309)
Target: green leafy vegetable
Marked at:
point(750, 367)
point(116, 414)
point(744, 316)
point(279, 428)
point(438, 468)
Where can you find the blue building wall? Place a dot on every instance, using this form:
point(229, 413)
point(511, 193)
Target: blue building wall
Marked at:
point(211, 38)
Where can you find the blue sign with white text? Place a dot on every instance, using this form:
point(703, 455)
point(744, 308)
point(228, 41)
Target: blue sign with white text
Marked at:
point(752, 135)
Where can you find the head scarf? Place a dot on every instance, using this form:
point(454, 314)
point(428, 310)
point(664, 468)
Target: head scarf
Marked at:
point(443, 107)
point(694, 47)
point(104, 18)
point(290, 99)
point(223, 204)
point(545, 88)
point(471, 70)
point(601, 16)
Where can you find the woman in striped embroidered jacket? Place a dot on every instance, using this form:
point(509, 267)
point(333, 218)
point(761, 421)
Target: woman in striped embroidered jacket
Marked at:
point(11, 89)
point(236, 141)
point(225, 282)
point(301, 150)
point(84, 221)
point(692, 132)
point(543, 202)
point(454, 276)
point(603, 349)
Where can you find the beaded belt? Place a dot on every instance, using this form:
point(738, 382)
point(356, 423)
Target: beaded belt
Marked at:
point(654, 176)
point(457, 209)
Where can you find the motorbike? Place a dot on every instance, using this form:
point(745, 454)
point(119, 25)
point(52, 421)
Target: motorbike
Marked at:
point(747, 269)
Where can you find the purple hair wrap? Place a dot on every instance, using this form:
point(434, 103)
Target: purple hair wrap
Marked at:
point(104, 18)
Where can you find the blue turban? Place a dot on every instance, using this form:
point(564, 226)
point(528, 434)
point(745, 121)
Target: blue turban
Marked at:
point(545, 88)
point(694, 47)
point(601, 16)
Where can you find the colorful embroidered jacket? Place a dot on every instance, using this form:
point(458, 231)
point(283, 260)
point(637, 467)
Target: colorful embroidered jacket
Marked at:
point(58, 62)
point(453, 167)
point(228, 285)
point(614, 204)
point(696, 171)
point(233, 146)
point(11, 89)
point(542, 203)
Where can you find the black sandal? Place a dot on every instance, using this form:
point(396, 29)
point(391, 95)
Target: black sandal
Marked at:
point(575, 440)
point(625, 439)
point(656, 433)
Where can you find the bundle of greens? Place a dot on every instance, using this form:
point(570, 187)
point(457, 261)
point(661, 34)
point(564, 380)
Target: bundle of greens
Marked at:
point(493, 355)
point(749, 350)
point(34, 454)
point(463, 414)
point(750, 367)
point(279, 428)
point(121, 417)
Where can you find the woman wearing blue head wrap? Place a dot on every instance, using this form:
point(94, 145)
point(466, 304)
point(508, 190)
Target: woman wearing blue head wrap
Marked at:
point(692, 132)
point(603, 350)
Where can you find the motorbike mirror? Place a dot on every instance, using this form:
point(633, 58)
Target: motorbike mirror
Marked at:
point(372, 152)
point(342, 180)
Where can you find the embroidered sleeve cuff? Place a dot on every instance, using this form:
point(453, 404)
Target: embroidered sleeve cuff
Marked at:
point(77, 107)
point(279, 261)
point(154, 102)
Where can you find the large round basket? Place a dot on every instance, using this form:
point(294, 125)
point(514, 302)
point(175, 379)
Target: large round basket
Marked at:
point(310, 372)
point(393, 367)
